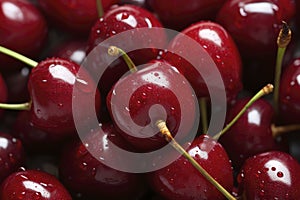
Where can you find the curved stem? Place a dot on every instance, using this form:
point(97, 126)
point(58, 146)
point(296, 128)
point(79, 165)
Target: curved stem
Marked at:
point(279, 130)
point(18, 56)
point(283, 40)
point(266, 90)
point(115, 51)
point(99, 8)
point(168, 136)
point(21, 106)
point(203, 114)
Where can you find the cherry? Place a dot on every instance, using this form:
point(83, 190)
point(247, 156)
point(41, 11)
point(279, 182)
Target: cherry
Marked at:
point(74, 50)
point(241, 19)
point(181, 14)
point(33, 184)
point(252, 133)
point(20, 19)
point(180, 180)
point(12, 155)
point(132, 100)
point(289, 96)
point(222, 49)
point(83, 173)
point(74, 16)
point(117, 20)
point(270, 175)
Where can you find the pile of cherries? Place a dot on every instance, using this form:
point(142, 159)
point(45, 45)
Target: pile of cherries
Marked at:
point(41, 154)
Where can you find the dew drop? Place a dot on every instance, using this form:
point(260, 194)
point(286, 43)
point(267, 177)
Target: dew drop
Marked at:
point(280, 174)
point(273, 168)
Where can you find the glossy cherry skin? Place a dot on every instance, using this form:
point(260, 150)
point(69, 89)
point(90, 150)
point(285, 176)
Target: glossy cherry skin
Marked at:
point(74, 50)
point(33, 184)
point(289, 96)
point(222, 49)
point(251, 134)
point(117, 20)
point(181, 13)
point(12, 155)
point(270, 175)
point(255, 24)
point(51, 84)
point(75, 16)
point(181, 181)
point(20, 19)
point(82, 173)
point(3, 92)
point(157, 83)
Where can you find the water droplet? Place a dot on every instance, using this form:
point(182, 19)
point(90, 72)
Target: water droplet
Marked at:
point(273, 168)
point(280, 174)
point(14, 140)
point(83, 166)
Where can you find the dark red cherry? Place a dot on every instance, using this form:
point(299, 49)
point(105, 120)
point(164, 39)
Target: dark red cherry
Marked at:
point(181, 13)
point(289, 95)
point(3, 92)
point(255, 24)
point(181, 181)
point(75, 16)
point(33, 184)
point(12, 155)
point(117, 20)
point(74, 50)
point(52, 85)
point(140, 99)
point(219, 45)
point(251, 134)
point(23, 29)
point(84, 173)
point(270, 175)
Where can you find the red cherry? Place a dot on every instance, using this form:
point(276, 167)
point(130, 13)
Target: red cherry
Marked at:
point(220, 46)
point(270, 175)
point(251, 134)
point(83, 173)
point(180, 180)
point(181, 13)
point(75, 16)
point(51, 84)
point(12, 155)
point(130, 101)
point(255, 24)
point(33, 184)
point(289, 95)
point(20, 19)
point(117, 20)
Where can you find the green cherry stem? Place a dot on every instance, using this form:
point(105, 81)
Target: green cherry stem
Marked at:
point(283, 40)
point(18, 56)
point(115, 51)
point(203, 113)
point(168, 136)
point(21, 106)
point(264, 91)
point(99, 8)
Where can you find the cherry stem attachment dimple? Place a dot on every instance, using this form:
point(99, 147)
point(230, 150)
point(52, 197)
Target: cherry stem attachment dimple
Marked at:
point(203, 114)
point(279, 130)
point(264, 91)
point(284, 38)
point(115, 51)
point(21, 106)
point(168, 136)
point(18, 56)
point(99, 8)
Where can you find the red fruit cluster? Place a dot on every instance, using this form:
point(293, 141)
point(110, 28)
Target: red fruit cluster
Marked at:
point(45, 155)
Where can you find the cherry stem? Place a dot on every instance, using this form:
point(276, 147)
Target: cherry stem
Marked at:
point(18, 56)
point(203, 114)
point(21, 106)
point(264, 91)
point(99, 8)
point(115, 51)
point(283, 40)
point(279, 130)
point(168, 136)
